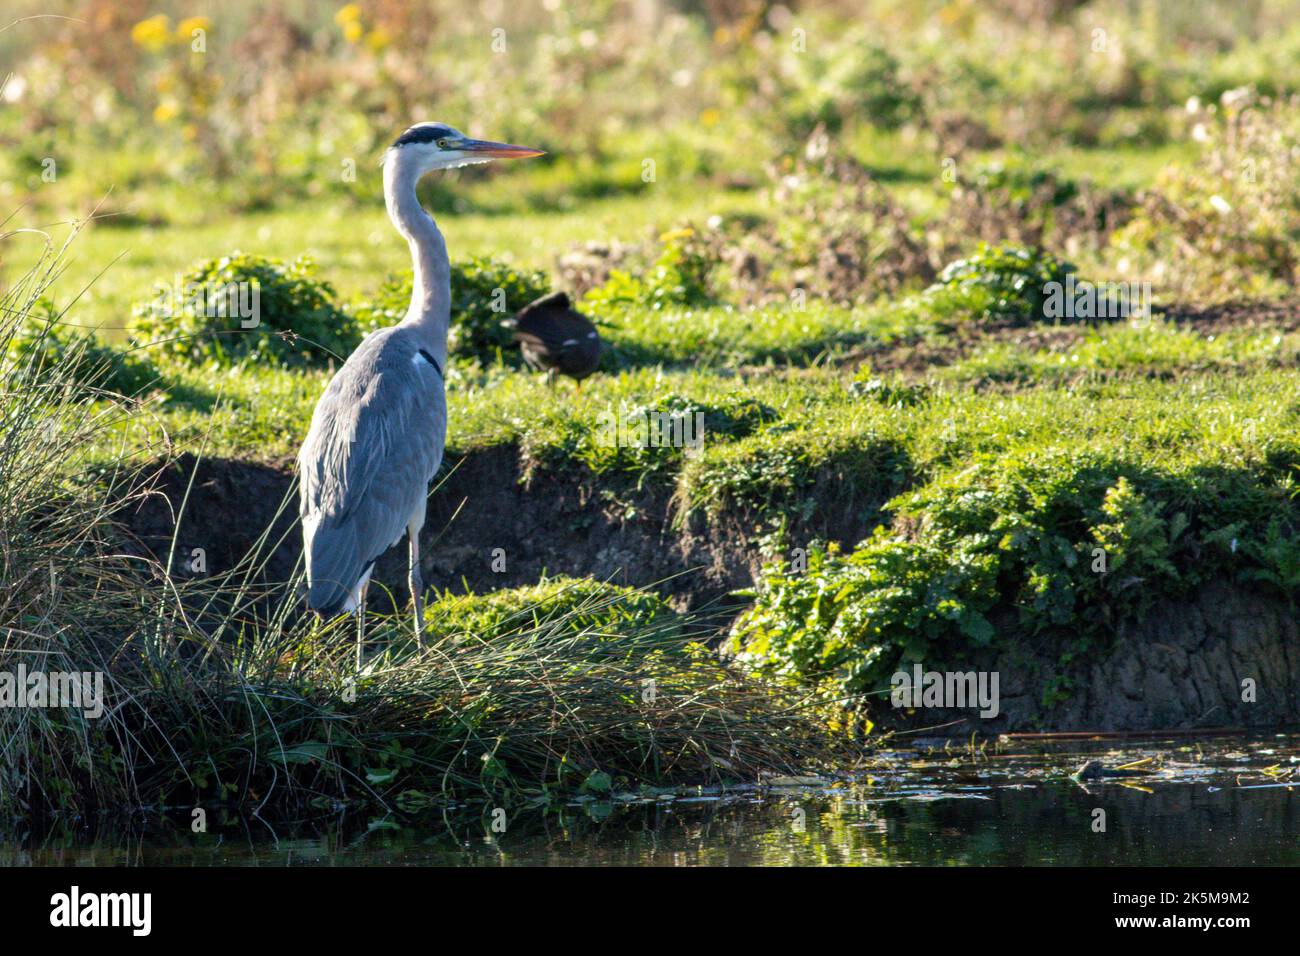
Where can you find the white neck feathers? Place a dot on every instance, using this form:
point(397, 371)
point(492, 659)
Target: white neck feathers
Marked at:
point(430, 309)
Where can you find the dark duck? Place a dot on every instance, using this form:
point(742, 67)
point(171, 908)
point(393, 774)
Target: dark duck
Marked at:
point(555, 338)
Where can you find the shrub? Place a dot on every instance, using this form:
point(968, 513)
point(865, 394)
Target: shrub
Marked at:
point(292, 314)
point(1029, 205)
point(836, 235)
point(836, 82)
point(1016, 278)
point(840, 234)
point(484, 291)
point(859, 79)
point(679, 276)
point(42, 343)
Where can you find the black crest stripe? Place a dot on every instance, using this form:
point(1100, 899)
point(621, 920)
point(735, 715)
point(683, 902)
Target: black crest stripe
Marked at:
point(422, 134)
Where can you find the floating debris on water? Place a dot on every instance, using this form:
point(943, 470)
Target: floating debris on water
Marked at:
point(1096, 770)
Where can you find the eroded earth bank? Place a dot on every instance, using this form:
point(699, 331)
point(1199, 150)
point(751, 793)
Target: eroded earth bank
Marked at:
point(1191, 662)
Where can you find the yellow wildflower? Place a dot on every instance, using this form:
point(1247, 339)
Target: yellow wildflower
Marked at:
point(165, 111)
point(675, 234)
point(378, 39)
point(353, 31)
point(185, 29)
point(153, 33)
point(710, 117)
point(349, 14)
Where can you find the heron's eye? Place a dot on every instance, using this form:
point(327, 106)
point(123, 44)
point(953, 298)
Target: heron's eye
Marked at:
point(442, 143)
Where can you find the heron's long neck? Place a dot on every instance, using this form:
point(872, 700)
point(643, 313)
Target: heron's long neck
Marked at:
point(430, 311)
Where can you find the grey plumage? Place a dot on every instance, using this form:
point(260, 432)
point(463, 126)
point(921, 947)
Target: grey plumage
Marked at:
point(375, 443)
point(378, 432)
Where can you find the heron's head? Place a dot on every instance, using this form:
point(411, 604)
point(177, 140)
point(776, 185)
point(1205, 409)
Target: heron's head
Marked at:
point(439, 146)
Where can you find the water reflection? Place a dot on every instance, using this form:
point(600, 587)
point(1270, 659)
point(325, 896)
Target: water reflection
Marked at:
point(1218, 802)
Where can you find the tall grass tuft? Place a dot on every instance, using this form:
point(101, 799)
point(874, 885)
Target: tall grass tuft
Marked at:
point(218, 693)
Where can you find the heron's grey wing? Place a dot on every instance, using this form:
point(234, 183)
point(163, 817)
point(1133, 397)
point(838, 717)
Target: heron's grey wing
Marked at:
point(375, 442)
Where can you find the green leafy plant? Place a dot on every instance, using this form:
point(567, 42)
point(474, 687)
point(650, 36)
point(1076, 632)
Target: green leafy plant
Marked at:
point(680, 276)
point(1135, 538)
point(851, 80)
point(1016, 277)
point(848, 620)
point(1008, 534)
point(1277, 555)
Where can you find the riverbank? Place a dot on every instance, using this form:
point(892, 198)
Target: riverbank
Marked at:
point(1180, 663)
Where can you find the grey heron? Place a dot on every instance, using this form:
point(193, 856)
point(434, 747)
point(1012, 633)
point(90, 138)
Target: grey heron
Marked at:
point(378, 432)
point(555, 337)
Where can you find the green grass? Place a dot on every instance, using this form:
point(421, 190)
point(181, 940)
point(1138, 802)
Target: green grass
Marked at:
point(1158, 350)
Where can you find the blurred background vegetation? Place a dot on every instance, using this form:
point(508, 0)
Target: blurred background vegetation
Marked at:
point(1050, 122)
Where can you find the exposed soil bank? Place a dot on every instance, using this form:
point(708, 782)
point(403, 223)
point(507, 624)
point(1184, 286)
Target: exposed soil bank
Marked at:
point(1226, 657)
point(1182, 667)
point(486, 530)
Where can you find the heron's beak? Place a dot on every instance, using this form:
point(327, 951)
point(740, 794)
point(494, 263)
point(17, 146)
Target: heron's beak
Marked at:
point(487, 149)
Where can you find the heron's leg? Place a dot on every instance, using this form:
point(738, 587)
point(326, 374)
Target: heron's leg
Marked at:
point(416, 585)
point(550, 378)
point(361, 623)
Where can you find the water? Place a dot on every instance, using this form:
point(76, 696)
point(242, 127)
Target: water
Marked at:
point(1219, 801)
